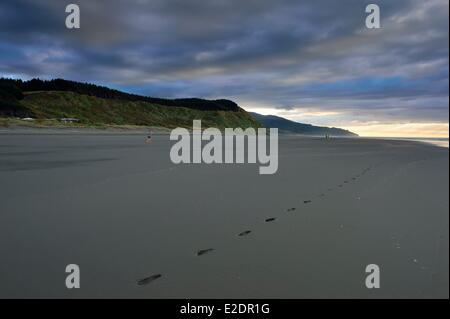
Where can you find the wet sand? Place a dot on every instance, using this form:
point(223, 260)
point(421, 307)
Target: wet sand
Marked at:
point(141, 227)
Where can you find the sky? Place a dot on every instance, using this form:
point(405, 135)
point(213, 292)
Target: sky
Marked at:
point(308, 61)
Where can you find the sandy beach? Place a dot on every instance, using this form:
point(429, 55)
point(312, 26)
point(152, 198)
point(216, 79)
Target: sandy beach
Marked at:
point(135, 222)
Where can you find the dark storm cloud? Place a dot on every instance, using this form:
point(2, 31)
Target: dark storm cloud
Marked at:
point(279, 54)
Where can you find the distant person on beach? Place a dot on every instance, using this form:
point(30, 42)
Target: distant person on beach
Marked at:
point(149, 137)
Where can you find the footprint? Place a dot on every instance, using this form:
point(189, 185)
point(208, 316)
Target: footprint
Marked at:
point(147, 280)
point(340, 185)
point(204, 251)
point(271, 219)
point(345, 182)
point(330, 189)
point(244, 233)
point(291, 209)
point(307, 201)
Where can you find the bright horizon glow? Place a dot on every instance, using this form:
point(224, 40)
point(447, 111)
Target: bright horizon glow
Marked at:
point(364, 129)
point(410, 130)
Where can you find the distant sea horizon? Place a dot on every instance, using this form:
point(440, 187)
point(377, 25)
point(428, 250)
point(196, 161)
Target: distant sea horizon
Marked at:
point(438, 141)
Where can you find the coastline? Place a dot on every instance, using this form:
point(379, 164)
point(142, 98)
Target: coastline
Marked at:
point(333, 207)
point(139, 130)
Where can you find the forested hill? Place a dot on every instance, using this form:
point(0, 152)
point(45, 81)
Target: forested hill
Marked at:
point(291, 127)
point(107, 93)
point(51, 103)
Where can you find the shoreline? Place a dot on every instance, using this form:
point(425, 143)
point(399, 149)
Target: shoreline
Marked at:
point(310, 230)
point(438, 141)
point(129, 130)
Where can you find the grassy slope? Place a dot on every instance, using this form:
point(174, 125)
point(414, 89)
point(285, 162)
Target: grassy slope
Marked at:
point(93, 111)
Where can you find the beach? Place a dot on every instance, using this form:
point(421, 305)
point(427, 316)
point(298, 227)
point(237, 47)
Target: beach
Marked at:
point(135, 223)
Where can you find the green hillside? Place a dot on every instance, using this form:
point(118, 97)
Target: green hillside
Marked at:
point(50, 106)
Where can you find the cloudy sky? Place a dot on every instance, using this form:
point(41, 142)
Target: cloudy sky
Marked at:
point(309, 61)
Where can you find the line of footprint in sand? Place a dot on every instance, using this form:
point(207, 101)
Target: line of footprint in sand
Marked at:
point(201, 252)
